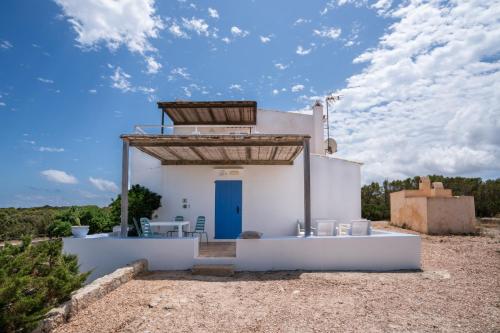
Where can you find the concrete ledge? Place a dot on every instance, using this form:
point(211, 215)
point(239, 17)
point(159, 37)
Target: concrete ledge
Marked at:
point(83, 297)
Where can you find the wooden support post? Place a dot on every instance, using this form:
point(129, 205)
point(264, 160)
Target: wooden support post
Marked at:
point(162, 120)
point(124, 198)
point(307, 188)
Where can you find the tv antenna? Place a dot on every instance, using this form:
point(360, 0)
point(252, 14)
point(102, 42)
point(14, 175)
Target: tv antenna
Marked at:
point(330, 142)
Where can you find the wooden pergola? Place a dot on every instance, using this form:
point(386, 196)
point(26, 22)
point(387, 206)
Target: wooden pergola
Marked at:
point(217, 150)
point(210, 113)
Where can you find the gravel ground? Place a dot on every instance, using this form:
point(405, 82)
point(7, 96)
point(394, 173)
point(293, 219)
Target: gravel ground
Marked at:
point(457, 291)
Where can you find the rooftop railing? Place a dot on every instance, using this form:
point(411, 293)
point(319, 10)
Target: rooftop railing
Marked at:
point(193, 129)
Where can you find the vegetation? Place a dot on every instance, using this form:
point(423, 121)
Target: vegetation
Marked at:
point(141, 203)
point(375, 198)
point(33, 279)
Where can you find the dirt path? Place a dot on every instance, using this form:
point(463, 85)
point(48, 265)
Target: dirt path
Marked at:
point(458, 291)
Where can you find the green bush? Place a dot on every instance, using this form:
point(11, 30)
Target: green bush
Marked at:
point(33, 279)
point(59, 229)
point(141, 203)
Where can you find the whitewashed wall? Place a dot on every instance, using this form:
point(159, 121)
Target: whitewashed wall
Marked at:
point(272, 195)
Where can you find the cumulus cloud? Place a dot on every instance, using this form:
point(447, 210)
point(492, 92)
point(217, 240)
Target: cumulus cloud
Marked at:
point(197, 25)
point(59, 176)
point(302, 51)
point(120, 80)
point(152, 65)
point(103, 184)
point(237, 32)
point(328, 32)
point(177, 31)
point(51, 149)
point(301, 20)
point(297, 87)
point(427, 100)
point(213, 13)
point(131, 23)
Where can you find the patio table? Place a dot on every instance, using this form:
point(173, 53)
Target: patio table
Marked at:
point(179, 225)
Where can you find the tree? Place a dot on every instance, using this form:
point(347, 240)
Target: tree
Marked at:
point(141, 203)
point(33, 279)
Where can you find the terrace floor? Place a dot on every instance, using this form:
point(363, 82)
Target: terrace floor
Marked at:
point(217, 249)
point(458, 290)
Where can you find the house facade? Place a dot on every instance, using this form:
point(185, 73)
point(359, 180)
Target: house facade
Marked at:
point(264, 193)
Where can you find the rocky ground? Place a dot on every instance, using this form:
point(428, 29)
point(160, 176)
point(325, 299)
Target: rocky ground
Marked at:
point(458, 290)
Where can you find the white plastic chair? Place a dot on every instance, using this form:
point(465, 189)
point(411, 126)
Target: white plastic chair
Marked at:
point(325, 227)
point(360, 227)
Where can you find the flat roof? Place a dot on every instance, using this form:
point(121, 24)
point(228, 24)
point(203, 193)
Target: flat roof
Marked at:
point(211, 112)
point(251, 149)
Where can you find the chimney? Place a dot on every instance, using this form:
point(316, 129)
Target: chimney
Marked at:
point(318, 136)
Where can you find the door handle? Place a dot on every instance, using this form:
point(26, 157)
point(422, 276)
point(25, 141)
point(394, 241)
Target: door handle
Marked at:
point(237, 209)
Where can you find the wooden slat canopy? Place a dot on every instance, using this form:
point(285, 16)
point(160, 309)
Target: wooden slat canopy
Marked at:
point(211, 113)
point(258, 149)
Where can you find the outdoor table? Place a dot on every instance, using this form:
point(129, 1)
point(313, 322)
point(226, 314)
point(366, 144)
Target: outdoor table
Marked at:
point(179, 225)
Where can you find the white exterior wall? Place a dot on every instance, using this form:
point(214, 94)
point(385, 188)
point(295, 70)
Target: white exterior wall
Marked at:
point(103, 254)
point(272, 194)
point(380, 251)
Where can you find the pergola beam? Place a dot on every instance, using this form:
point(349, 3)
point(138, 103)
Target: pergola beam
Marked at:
point(227, 162)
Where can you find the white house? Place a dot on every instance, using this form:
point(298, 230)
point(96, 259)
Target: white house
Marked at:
point(243, 168)
point(262, 190)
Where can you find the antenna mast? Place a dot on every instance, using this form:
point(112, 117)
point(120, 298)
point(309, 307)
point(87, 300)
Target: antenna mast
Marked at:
point(331, 98)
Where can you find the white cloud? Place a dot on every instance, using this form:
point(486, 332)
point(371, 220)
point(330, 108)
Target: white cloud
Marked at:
point(131, 23)
point(5, 44)
point(275, 91)
point(427, 101)
point(235, 87)
point(226, 40)
point(301, 21)
point(2, 104)
point(120, 80)
point(176, 30)
point(213, 13)
point(31, 142)
point(328, 32)
point(197, 25)
point(297, 88)
point(265, 39)
point(281, 66)
point(51, 149)
point(179, 72)
point(59, 176)
point(302, 51)
point(92, 91)
point(237, 32)
point(152, 65)
point(103, 184)
point(382, 6)
point(41, 79)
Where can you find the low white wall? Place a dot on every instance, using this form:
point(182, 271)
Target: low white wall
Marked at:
point(378, 252)
point(103, 254)
point(272, 194)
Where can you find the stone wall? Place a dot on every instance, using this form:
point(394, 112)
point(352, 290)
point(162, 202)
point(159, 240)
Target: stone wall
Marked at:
point(82, 298)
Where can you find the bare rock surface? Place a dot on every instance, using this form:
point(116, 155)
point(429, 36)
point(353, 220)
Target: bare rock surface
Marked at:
point(457, 291)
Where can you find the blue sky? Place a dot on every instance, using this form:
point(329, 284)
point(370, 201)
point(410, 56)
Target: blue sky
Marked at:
point(420, 82)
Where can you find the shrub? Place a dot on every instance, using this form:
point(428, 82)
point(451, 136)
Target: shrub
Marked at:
point(141, 203)
point(33, 279)
point(59, 229)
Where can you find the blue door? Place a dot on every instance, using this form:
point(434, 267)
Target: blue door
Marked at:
point(227, 209)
